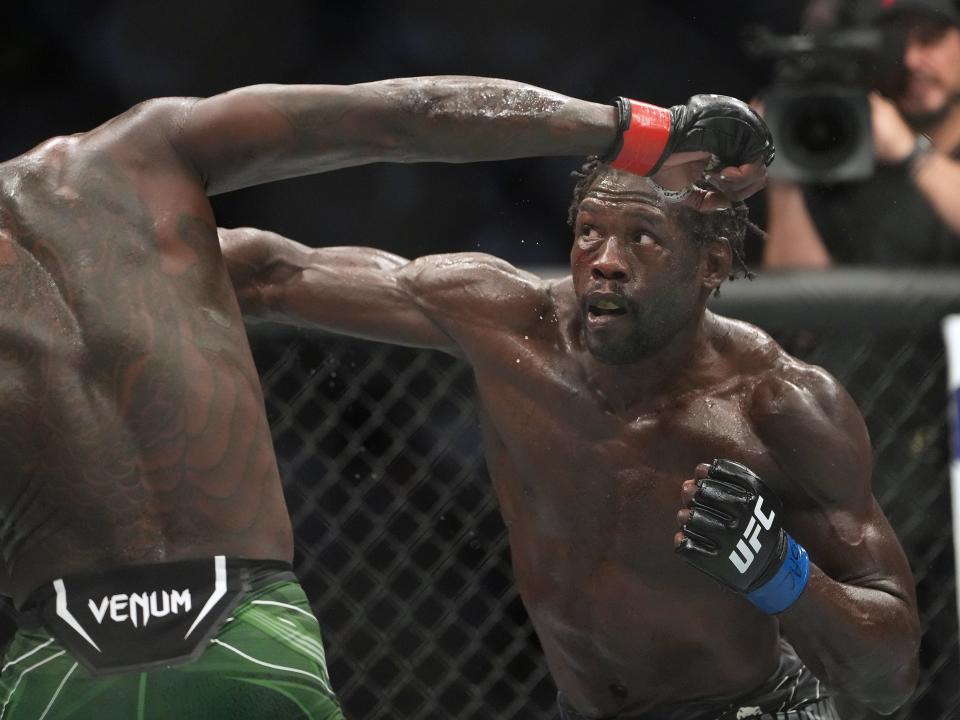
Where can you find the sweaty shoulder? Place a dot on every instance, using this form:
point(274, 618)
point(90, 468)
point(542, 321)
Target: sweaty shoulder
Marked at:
point(142, 139)
point(812, 429)
point(464, 291)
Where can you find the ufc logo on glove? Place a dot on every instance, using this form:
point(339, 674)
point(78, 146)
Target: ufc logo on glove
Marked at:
point(762, 563)
point(742, 557)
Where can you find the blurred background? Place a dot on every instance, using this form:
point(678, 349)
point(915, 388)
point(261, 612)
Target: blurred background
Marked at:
point(399, 542)
point(67, 67)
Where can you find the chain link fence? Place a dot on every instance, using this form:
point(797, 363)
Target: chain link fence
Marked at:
point(402, 550)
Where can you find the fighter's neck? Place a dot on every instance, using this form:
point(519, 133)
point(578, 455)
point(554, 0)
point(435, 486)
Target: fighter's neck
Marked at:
point(680, 366)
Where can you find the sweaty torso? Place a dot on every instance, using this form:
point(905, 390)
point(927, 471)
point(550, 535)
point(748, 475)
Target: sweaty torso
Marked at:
point(133, 427)
point(589, 484)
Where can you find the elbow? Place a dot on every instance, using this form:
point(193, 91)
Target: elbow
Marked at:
point(261, 300)
point(252, 307)
point(893, 691)
point(894, 685)
point(899, 685)
point(884, 693)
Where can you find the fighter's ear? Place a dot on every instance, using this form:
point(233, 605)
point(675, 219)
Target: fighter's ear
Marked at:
point(716, 262)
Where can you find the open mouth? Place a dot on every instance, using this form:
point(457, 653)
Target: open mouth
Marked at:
point(606, 307)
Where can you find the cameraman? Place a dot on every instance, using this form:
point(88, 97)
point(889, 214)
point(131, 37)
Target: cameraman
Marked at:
point(908, 212)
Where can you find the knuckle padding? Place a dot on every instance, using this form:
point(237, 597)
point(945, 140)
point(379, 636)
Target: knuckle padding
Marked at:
point(724, 126)
point(706, 523)
point(694, 540)
point(709, 520)
point(718, 494)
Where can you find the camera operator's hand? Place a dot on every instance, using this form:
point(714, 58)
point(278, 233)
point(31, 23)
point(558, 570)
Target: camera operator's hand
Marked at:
point(893, 140)
point(792, 240)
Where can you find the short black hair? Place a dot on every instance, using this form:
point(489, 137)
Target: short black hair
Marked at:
point(731, 223)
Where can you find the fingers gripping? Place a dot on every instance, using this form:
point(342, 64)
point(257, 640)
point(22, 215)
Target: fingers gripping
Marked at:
point(731, 529)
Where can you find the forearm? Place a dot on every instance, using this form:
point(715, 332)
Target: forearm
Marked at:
point(938, 178)
point(307, 129)
point(792, 239)
point(862, 641)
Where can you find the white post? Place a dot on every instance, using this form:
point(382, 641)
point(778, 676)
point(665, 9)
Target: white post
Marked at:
point(951, 336)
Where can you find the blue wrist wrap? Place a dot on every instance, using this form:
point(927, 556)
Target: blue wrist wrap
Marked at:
point(782, 590)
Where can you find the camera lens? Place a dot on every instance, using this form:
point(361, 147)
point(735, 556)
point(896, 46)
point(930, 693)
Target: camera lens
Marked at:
point(819, 132)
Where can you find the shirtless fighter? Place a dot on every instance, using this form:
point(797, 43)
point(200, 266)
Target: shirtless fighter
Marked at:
point(599, 395)
point(143, 528)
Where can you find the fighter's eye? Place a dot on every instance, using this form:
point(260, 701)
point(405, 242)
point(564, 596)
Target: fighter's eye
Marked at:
point(589, 232)
point(644, 238)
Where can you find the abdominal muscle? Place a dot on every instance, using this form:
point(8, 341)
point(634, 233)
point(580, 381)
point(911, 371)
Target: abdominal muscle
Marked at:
point(617, 640)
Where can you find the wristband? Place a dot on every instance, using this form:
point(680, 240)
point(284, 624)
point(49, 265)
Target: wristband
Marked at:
point(642, 136)
point(922, 147)
point(783, 589)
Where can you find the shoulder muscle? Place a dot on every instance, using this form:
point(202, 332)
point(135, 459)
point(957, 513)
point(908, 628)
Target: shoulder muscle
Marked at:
point(814, 432)
point(464, 290)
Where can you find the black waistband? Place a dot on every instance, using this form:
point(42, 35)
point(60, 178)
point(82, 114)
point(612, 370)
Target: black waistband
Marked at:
point(259, 573)
point(139, 617)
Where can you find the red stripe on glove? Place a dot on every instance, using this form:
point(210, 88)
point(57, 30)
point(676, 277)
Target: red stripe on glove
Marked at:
point(644, 141)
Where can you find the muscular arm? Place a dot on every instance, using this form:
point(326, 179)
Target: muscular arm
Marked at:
point(267, 132)
point(432, 302)
point(856, 624)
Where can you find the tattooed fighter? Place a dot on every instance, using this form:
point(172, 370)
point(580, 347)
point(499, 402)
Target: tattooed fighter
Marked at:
point(599, 394)
point(144, 534)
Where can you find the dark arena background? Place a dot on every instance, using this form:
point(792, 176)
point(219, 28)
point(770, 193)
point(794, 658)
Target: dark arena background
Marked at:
point(400, 545)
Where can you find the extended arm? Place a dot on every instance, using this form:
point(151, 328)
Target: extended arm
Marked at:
point(430, 302)
point(267, 132)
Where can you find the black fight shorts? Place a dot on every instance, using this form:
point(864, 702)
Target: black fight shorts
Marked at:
point(791, 693)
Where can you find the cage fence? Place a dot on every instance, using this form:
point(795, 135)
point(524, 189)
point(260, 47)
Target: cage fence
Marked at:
point(401, 548)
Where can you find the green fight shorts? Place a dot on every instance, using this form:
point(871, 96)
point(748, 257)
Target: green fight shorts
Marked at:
point(261, 658)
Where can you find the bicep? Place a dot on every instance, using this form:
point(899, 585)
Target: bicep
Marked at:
point(359, 292)
point(820, 447)
point(447, 302)
point(355, 291)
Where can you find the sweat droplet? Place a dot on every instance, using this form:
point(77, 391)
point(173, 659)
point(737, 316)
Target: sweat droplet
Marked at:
point(518, 359)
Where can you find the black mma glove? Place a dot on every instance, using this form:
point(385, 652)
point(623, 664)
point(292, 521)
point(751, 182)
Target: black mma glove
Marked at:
point(734, 534)
point(723, 126)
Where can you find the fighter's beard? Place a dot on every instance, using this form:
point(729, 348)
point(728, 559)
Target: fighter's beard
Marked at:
point(651, 333)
